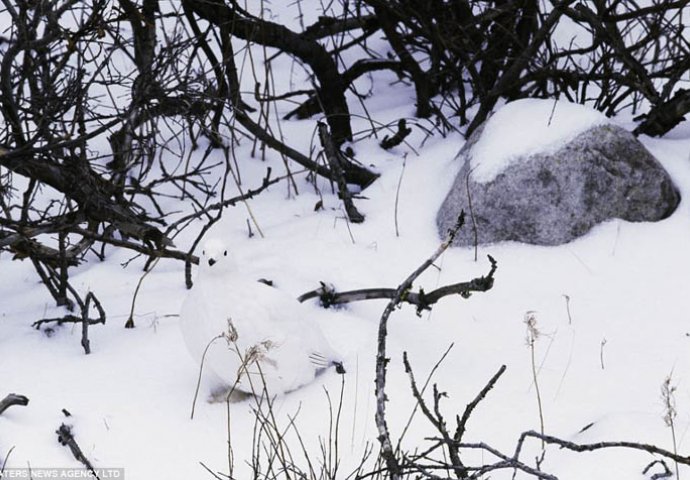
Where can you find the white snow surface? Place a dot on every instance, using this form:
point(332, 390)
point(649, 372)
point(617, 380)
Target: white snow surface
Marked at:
point(612, 308)
point(528, 126)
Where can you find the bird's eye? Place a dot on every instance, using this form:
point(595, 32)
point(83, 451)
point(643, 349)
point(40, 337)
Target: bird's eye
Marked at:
point(203, 252)
point(225, 253)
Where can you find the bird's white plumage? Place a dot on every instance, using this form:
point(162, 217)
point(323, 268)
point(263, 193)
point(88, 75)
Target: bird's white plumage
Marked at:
point(267, 338)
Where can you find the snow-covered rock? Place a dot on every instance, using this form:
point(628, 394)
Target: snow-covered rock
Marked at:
point(575, 176)
point(528, 126)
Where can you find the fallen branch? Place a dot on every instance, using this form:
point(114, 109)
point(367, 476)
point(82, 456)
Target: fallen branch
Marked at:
point(590, 447)
point(513, 462)
point(64, 319)
point(13, 399)
point(666, 473)
point(84, 319)
point(335, 161)
point(69, 318)
point(403, 131)
point(66, 438)
point(665, 116)
point(505, 463)
point(328, 296)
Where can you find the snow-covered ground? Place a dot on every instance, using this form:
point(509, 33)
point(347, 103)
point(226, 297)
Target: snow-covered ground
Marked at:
point(624, 285)
point(612, 309)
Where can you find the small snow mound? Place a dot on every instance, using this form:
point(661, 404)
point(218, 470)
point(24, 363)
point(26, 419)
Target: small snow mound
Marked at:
point(528, 126)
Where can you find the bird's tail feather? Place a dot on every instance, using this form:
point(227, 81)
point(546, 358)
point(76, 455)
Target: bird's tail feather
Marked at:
point(322, 362)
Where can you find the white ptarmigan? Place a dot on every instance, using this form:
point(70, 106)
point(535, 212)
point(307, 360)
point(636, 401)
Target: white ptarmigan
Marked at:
point(265, 340)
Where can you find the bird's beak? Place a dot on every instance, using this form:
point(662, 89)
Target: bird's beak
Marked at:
point(211, 261)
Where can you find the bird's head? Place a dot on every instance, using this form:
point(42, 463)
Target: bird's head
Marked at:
point(216, 258)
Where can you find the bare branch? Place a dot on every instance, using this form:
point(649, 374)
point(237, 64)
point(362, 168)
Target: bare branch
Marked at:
point(665, 116)
point(13, 399)
point(335, 160)
point(462, 422)
point(66, 438)
point(590, 447)
point(387, 451)
point(328, 296)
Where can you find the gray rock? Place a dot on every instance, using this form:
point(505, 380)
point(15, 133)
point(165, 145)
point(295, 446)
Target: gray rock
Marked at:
point(551, 199)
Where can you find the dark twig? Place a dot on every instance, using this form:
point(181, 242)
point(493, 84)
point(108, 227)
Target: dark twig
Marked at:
point(426, 384)
point(436, 420)
point(511, 75)
point(590, 447)
point(505, 462)
point(86, 321)
point(214, 474)
point(397, 197)
point(665, 116)
point(13, 399)
point(4, 461)
point(64, 319)
point(462, 422)
point(230, 202)
point(335, 161)
point(666, 473)
point(475, 232)
point(422, 300)
point(403, 131)
point(66, 437)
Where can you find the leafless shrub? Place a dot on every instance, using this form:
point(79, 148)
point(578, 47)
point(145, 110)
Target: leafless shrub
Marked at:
point(161, 84)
